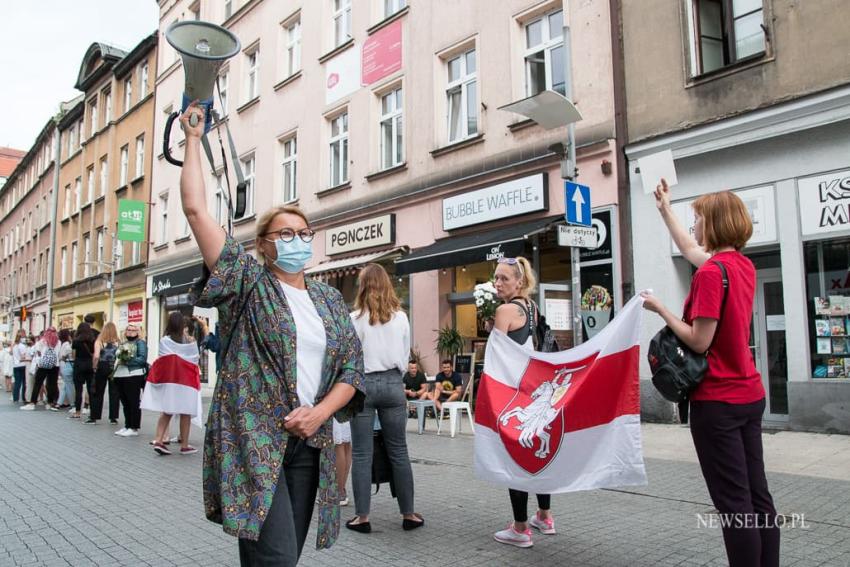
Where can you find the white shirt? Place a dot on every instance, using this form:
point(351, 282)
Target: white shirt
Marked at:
point(310, 343)
point(19, 353)
point(385, 346)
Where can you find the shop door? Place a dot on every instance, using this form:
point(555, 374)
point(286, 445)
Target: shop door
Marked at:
point(767, 342)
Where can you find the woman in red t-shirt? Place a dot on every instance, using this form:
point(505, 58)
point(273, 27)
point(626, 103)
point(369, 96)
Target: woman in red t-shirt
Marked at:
point(727, 406)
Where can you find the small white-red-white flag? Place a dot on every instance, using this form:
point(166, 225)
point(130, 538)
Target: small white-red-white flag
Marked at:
point(174, 381)
point(564, 421)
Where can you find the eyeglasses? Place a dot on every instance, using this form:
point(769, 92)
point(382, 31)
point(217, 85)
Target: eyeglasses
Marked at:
point(288, 234)
point(512, 262)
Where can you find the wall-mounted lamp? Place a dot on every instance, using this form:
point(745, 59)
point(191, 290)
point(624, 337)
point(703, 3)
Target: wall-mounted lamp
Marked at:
point(607, 168)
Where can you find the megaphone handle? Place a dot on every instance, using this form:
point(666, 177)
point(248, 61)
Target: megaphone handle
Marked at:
point(166, 140)
point(193, 120)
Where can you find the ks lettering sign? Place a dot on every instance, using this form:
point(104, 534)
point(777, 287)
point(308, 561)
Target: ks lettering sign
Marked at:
point(509, 199)
point(825, 203)
point(378, 231)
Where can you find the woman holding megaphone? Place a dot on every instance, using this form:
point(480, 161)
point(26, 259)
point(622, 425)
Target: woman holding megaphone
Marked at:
point(291, 361)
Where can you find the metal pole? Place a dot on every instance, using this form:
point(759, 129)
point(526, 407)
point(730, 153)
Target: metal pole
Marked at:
point(569, 173)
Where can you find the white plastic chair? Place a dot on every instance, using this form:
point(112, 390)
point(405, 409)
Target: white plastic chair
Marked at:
point(455, 420)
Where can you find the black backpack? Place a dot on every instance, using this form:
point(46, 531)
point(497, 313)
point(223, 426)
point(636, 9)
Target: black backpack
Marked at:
point(108, 353)
point(541, 334)
point(676, 369)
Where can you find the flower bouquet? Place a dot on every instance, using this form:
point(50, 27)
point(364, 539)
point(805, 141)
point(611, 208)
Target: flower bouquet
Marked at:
point(125, 353)
point(595, 309)
point(486, 301)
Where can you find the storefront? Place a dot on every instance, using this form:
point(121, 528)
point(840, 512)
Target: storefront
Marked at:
point(796, 185)
point(69, 314)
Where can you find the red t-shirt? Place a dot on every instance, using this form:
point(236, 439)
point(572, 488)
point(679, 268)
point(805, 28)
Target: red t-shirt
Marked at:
point(732, 376)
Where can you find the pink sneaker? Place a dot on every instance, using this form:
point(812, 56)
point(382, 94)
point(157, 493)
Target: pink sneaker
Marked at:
point(510, 536)
point(543, 526)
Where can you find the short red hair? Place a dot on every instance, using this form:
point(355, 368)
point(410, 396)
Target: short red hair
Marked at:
point(726, 220)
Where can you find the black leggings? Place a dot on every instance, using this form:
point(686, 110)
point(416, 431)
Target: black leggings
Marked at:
point(519, 503)
point(52, 377)
point(83, 374)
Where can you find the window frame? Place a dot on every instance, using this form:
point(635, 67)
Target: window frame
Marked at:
point(249, 169)
point(392, 7)
point(342, 138)
point(252, 76)
point(547, 45)
point(727, 39)
point(86, 255)
point(89, 185)
point(289, 169)
point(462, 83)
point(139, 170)
point(292, 42)
point(144, 73)
point(63, 265)
point(163, 218)
point(104, 175)
point(128, 93)
point(341, 10)
point(124, 166)
point(222, 87)
point(392, 120)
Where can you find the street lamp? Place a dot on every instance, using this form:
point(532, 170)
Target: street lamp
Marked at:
point(552, 110)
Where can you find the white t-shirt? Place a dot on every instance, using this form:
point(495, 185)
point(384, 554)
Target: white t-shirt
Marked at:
point(310, 343)
point(20, 352)
point(386, 346)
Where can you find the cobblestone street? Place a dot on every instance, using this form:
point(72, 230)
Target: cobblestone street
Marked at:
point(78, 495)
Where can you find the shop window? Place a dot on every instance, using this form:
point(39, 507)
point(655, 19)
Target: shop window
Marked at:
point(828, 294)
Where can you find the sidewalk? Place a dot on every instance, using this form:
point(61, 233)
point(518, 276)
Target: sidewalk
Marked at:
point(77, 495)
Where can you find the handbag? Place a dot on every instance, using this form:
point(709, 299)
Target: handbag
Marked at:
point(676, 369)
point(382, 470)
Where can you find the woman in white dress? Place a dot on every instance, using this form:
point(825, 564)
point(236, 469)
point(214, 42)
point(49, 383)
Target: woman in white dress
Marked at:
point(342, 447)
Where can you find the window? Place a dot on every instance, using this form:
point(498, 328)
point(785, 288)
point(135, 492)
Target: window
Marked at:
point(223, 81)
point(136, 253)
point(393, 6)
point(461, 97)
point(67, 210)
point(392, 138)
point(228, 8)
point(163, 218)
point(140, 156)
point(99, 267)
point(544, 54)
point(339, 150)
point(63, 266)
point(80, 134)
point(78, 193)
point(118, 255)
point(249, 168)
point(75, 261)
point(253, 66)
point(293, 47)
point(220, 212)
point(125, 164)
point(73, 144)
point(89, 185)
point(107, 107)
point(143, 80)
point(828, 294)
point(104, 175)
point(86, 255)
point(342, 21)
point(93, 117)
point(128, 93)
point(726, 31)
point(290, 164)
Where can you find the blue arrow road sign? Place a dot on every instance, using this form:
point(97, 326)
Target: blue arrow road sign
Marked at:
point(578, 203)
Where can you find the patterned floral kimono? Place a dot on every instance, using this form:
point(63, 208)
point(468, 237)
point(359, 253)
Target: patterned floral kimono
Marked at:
point(245, 439)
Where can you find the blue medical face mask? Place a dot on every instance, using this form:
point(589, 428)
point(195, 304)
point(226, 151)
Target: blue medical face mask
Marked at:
point(292, 256)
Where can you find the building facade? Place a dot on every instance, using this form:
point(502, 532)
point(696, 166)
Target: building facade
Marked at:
point(25, 204)
point(731, 89)
point(105, 158)
point(9, 160)
point(381, 121)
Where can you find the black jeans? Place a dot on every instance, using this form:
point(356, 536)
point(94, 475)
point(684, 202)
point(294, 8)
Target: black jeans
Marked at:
point(727, 439)
point(114, 399)
point(519, 504)
point(52, 377)
point(19, 391)
point(285, 528)
point(97, 390)
point(83, 374)
point(129, 390)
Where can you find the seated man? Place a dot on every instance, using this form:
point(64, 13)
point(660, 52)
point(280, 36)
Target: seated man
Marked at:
point(415, 386)
point(442, 390)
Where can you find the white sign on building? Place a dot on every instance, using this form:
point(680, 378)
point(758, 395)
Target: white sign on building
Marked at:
point(760, 201)
point(511, 198)
point(824, 203)
point(342, 75)
point(378, 231)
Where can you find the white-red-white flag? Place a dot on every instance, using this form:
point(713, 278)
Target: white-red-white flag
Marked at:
point(174, 381)
point(564, 421)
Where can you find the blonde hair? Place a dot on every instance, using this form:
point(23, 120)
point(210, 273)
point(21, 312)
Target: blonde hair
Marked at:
point(525, 273)
point(376, 295)
point(109, 334)
point(268, 217)
point(726, 220)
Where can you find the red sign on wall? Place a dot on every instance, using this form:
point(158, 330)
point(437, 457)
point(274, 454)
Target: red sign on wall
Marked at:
point(135, 311)
point(381, 54)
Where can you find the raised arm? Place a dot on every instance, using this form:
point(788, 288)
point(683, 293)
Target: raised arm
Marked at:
point(209, 236)
point(686, 243)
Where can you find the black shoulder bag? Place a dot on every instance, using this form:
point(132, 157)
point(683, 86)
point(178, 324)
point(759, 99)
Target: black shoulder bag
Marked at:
point(676, 369)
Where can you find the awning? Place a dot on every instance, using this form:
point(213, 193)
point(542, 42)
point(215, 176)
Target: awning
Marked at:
point(508, 241)
point(352, 263)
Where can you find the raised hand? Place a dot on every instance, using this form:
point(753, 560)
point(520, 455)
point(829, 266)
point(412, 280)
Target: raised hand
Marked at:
point(197, 130)
point(662, 195)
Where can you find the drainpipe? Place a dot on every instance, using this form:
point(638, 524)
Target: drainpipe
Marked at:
point(621, 129)
point(54, 206)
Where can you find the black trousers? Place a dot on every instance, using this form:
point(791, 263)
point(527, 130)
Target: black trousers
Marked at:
point(51, 375)
point(288, 521)
point(727, 438)
point(114, 399)
point(129, 389)
point(519, 503)
point(97, 391)
point(83, 374)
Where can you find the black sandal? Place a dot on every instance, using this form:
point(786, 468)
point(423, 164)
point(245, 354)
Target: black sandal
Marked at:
point(408, 525)
point(362, 527)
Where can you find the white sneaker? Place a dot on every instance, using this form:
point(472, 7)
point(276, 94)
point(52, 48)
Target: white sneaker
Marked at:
point(28, 407)
point(130, 433)
point(174, 440)
point(85, 411)
point(512, 537)
point(543, 526)
point(72, 410)
point(121, 432)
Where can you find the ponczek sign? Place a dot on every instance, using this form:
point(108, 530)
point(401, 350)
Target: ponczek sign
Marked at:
point(131, 220)
point(378, 231)
point(509, 199)
point(825, 203)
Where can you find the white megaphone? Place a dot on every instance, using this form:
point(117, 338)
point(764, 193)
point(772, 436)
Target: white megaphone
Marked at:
point(204, 47)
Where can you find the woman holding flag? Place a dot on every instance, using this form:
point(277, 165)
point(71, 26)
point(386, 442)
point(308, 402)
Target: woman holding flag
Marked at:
point(514, 281)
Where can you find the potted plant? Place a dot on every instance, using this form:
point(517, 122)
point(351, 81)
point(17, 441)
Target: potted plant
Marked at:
point(449, 342)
